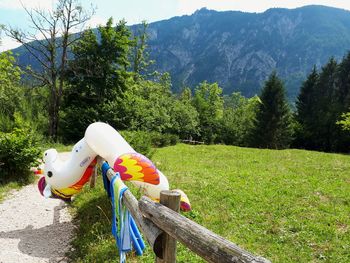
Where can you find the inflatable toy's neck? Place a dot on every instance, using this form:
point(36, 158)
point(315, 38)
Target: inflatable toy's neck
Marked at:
point(62, 174)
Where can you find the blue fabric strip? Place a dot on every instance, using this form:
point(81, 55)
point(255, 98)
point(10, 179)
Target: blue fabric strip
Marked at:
point(105, 167)
point(124, 228)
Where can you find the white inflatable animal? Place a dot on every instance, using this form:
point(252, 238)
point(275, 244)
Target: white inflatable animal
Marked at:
point(65, 178)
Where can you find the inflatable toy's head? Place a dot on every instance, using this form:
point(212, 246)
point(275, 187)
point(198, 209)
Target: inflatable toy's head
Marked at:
point(62, 173)
point(50, 157)
point(41, 185)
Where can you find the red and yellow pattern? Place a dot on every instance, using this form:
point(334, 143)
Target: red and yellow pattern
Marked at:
point(136, 167)
point(66, 193)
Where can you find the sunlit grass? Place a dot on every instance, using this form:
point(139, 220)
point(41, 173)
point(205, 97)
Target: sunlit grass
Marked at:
point(288, 206)
point(58, 146)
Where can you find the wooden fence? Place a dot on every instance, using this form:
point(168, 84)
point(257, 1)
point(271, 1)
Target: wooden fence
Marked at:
point(192, 142)
point(162, 225)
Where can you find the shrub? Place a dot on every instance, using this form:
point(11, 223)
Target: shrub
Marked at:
point(18, 152)
point(163, 140)
point(6, 123)
point(143, 141)
point(140, 141)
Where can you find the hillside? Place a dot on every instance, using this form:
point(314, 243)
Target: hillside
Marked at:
point(288, 206)
point(239, 50)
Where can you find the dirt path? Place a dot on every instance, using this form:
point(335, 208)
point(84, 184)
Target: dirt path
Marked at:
point(34, 229)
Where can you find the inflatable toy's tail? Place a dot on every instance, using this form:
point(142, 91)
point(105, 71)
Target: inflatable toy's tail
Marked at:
point(184, 201)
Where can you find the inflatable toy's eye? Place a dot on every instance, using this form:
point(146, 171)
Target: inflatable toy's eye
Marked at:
point(45, 154)
point(49, 174)
point(76, 151)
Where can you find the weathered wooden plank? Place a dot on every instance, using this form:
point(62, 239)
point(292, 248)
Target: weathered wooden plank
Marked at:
point(200, 240)
point(149, 230)
point(170, 199)
point(192, 142)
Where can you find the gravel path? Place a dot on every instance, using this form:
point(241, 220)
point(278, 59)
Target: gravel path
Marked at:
point(34, 229)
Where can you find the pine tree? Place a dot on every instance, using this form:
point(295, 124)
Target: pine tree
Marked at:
point(343, 81)
point(323, 99)
point(326, 108)
point(273, 122)
point(305, 111)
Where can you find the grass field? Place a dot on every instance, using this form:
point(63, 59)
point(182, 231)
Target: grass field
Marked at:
point(287, 205)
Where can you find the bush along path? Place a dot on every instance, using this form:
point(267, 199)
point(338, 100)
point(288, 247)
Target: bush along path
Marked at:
point(34, 229)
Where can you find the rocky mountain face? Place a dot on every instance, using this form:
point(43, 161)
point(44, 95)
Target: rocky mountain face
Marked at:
point(239, 50)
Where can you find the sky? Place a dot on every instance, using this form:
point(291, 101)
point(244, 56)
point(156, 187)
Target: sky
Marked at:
point(135, 11)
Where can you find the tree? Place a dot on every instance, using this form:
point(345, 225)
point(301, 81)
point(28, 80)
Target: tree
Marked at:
point(98, 80)
point(238, 119)
point(305, 115)
point(10, 91)
point(184, 116)
point(344, 122)
point(209, 105)
point(10, 75)
point(49, 45)
point(273, 120)
point(321, 107)
point(150, 105)
point(326, 108)
point(140, 56)
point(343, 82)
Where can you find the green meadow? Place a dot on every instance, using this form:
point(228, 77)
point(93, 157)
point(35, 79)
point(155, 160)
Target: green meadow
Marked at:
point(285, 205)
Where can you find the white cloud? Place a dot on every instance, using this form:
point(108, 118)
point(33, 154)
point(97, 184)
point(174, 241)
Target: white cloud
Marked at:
point(96, 21)
point(8, 43)
point(16, 4)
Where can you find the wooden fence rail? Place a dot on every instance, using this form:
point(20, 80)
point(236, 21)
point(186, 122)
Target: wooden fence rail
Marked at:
point(162, 226)
point(192, 142)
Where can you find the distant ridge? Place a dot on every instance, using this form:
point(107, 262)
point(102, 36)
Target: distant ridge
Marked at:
point(239, 50)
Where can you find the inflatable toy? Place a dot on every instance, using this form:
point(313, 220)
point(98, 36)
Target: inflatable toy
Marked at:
point(63, 179)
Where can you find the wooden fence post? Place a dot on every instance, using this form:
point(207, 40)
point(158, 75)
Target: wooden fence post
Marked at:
point(170, 199)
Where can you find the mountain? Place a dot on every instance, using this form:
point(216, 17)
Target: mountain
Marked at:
point(239, 50)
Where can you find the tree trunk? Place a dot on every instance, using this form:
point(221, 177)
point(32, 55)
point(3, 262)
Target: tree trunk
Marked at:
point(53, 112)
